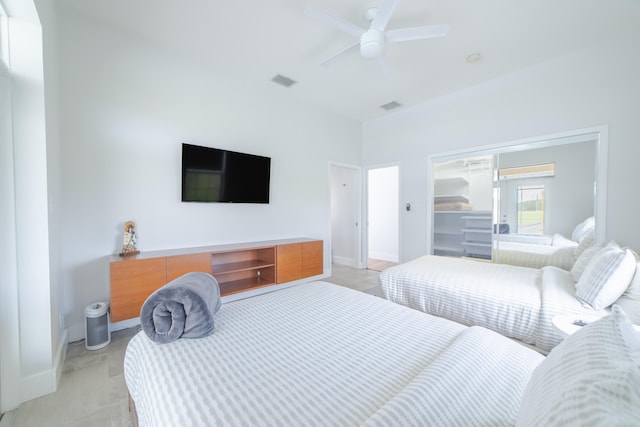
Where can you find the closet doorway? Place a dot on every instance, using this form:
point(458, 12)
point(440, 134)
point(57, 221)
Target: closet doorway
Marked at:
point(383, 219)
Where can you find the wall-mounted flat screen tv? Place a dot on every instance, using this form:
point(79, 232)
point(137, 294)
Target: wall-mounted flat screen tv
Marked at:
point(214, 175)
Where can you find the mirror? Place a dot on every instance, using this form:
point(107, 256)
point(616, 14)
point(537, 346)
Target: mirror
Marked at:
point(517, 195)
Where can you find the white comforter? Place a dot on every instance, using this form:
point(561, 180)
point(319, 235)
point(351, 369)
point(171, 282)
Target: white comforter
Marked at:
point(319, 354)
point(517, 302)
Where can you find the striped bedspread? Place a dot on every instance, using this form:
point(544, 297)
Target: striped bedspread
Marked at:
point(517, 302)
point(321, 355)
point(500, 297)
point(534, 256)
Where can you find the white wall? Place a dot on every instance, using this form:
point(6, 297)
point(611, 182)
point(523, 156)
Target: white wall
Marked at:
point(125, 109)
point(588, 88)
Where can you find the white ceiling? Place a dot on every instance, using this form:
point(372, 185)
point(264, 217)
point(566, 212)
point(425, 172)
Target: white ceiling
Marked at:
point(257, 39)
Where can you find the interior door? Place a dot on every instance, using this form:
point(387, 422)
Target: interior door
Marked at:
point(346, 235)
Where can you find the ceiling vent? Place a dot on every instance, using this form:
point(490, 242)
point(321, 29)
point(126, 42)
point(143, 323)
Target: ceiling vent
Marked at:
point(391, 105)
point(283, 81)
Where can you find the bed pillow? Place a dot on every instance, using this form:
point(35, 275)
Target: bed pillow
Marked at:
point(583, 260)
point(584, 244)
point(591, 378)
point(560, 241)
point(633, 291)
point(582, 229)
point(606, 277)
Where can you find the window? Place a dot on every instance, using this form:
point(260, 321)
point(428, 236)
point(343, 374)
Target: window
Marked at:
point(532, 171)
point(530, 209)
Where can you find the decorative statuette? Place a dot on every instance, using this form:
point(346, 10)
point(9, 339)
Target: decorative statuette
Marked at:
point(129, 241)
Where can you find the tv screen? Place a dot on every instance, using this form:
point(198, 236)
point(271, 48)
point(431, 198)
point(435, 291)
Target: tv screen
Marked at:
point(214, 175)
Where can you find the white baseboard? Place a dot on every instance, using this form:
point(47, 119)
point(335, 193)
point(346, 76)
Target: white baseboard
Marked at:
point(384, 256)
point(61, 355)
point(350, 262)
point(45, 382)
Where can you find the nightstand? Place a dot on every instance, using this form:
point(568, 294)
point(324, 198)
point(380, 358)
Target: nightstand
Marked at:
point(566, 325)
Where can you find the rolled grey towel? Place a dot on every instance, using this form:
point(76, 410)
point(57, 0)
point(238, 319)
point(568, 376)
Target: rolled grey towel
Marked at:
point(183, 308)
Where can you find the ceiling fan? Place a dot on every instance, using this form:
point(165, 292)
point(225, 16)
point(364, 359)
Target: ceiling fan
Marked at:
point(371, 41)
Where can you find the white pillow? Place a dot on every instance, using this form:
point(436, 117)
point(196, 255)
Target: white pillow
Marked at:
point(582, 229)
point(633, 291)
point(584, 244)
point(591, 378)
point(560, 241)
point(583, 260)
point(606, 277)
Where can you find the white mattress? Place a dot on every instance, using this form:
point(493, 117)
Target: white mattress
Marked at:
point(511, 300)
point(319, 354)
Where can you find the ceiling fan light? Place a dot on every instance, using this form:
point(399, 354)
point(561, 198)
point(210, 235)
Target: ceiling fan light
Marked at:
point(371, 44)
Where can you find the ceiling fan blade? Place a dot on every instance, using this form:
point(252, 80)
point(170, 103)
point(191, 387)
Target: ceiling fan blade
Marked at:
point(384, 14)
point(341, 55)
point(334, 21)
point(416, 33)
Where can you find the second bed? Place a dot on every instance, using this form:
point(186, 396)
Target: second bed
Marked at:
point(518, 302)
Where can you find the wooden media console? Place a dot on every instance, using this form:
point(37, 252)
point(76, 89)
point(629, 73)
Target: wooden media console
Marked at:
point(236, 267)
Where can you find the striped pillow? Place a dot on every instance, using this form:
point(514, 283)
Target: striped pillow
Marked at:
point(583, 260)
point(585, 244)
point(633, 291)
point(606, 277)
point(591, 378)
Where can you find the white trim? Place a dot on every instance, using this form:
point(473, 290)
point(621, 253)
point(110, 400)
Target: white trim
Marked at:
point(344, 261)
point(383, 256)
point(61, 355)
point(45, 382)
point(602, 163)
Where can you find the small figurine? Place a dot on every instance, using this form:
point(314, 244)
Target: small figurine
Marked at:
point(129, 241)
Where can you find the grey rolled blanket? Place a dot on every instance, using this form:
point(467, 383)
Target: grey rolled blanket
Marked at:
point(183, 308)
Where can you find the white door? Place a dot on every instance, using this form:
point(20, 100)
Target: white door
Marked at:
point(345, 215)
point(383, 217)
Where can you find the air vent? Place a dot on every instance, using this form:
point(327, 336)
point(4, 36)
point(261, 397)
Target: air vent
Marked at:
point(283, 81)
point(391, 105)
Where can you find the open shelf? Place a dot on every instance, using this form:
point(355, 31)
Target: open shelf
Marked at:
point(241, 266)
point(241, 285)
point(244, 269)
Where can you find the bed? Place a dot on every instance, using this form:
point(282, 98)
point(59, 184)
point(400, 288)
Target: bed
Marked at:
point(539, 251)
point(320, 354)
point(517, 302)
point(535, 256)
